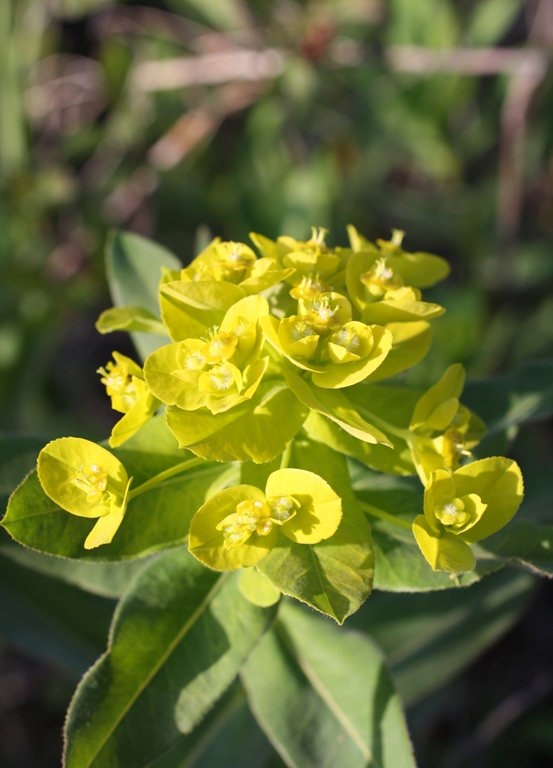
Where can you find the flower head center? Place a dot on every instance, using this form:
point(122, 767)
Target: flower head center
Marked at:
point(382, 276)
point(452, 513)
point(219, 345)
point(221, 378)
point(347, 338)
point(250, 517)
point(283, 507)
point(322, 316)
point(92, 480)
point(301, 331)
point(309, 287)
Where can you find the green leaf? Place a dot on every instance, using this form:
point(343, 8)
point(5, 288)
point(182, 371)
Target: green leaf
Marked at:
point(490, 20)
point(373, 402)
point(300, 685)
point(52, 620)
point(396, 460)
point(130, 319)
point(258, 429)
point(524, 542)
point(134, 265)
point(399, 564)
point(179, 637)
point(18, 455)
point(104, 579)
point(335, 405)
point(155, 520)
point(429, 638)
point(506, 401)
point(220, 738)
point(333, 576)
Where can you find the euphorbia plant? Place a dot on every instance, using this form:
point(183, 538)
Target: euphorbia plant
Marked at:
point(238, 434)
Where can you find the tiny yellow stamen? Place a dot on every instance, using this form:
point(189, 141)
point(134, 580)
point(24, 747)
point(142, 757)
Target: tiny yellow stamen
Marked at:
point(92, 480)
point(309, 287)
point(283, 507)
point(318, 235)
point(347, 338)
point(220, 346)
point(322, 316)
point(382, 276)
point(453, 447)
point(250, 517)
point(452, 514)
point(301, 331)
point(119, 382)
point(221, 378)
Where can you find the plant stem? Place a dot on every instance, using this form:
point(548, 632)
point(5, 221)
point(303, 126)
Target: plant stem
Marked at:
point(285, 459)
point(384, 515)
point(165, 475)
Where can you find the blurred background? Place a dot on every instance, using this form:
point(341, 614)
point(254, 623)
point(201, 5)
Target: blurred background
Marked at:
point(182, 119)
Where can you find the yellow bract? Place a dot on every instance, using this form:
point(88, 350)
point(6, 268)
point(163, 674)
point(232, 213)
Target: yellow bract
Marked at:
point(218, 371)
point(239, 526)
point(124, 382)
point(465, 507)
point(85, 480)
point(324, 340)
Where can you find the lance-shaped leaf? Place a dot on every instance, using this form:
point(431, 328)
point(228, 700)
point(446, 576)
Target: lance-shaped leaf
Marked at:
point(396, 460)
point(333, 576)
point(518, 396)
point(179, 637)
point(258, 429)
point(430, 638)
point(526, 543)
point(130, 319)
point(100, 578)
point(335, 406)
point(50, 619)
point(373, 402)
point(134, 268)
point(299, 684)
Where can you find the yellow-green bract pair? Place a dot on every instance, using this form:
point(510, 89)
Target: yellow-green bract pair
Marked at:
point(239, 526)
point(125, 385)
point(218, 371)
point(442, 430)
point(87, 481)
point(324, 340)
point(464, 507)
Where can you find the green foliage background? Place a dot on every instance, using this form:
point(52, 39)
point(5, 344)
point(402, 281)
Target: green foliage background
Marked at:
point(349, 123)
